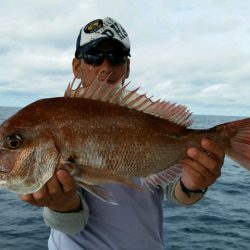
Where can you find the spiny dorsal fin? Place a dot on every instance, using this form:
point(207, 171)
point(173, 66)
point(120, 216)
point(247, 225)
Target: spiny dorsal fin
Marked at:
point(120, 95)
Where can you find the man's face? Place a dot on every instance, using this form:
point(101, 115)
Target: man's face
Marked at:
point(88, 72)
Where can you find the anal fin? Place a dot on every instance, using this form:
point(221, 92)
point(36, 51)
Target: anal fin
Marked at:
point(162, 178)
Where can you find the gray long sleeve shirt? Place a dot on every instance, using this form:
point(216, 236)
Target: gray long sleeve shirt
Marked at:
point(134, 224)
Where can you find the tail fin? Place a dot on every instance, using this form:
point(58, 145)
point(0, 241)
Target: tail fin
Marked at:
point(239, 148)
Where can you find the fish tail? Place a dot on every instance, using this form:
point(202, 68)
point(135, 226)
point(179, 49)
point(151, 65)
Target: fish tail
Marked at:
point(238, 148)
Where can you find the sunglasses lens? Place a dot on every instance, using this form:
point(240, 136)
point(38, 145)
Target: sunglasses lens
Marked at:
point(115, 59)
point(93, 59)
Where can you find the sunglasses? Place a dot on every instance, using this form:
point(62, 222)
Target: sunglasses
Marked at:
point(115, 58)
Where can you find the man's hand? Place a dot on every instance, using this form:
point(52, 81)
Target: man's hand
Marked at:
point(202, 168)
point(58, 194)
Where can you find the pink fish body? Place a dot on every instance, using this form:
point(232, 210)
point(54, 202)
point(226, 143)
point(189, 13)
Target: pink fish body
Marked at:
point(104, 134)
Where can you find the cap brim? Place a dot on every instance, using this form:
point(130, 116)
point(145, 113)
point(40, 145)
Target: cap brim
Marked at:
point(96, 42)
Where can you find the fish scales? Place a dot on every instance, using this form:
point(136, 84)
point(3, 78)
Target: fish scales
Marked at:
point(120, 141)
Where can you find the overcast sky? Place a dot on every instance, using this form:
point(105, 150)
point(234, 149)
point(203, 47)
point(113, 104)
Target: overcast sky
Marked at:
point(195, 53)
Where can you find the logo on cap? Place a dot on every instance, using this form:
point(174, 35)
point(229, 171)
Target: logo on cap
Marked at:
point(93, 26)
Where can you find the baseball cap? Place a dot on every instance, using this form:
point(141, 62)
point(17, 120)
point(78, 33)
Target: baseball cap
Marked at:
point(99, 30)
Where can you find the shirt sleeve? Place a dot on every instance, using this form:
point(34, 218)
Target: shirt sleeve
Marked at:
point(69, 223)
point(170, 194)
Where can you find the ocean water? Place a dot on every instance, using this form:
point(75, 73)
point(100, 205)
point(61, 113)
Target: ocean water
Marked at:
point(219, 221)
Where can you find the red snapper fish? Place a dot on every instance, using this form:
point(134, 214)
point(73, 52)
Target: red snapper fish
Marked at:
point(106, 134)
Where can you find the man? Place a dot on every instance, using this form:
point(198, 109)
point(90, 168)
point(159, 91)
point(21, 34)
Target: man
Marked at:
point(81, 221)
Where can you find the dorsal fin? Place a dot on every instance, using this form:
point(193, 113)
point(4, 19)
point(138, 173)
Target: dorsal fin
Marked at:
point(120, 95)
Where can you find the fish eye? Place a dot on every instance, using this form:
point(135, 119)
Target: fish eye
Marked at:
point(13, 141)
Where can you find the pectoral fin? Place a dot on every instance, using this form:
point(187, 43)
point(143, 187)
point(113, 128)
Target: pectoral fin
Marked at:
point(99, 192)
point(90, 179)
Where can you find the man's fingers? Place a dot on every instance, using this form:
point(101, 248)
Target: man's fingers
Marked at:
point(59, 194)
point(66, 181)
point(213, 148)
point(203, 167)
point(54, 188)
point(201, 176)
point(41, 197)
point(28, 198)
point(206, 160)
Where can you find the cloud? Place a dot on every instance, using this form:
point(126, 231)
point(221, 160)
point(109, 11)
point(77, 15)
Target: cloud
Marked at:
point(189, 52)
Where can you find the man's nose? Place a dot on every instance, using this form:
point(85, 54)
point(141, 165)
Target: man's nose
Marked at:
point(106, 70)
point(106, 65)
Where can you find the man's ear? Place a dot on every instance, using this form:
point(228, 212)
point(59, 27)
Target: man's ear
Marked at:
point(76, 67)
point(128, 69)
